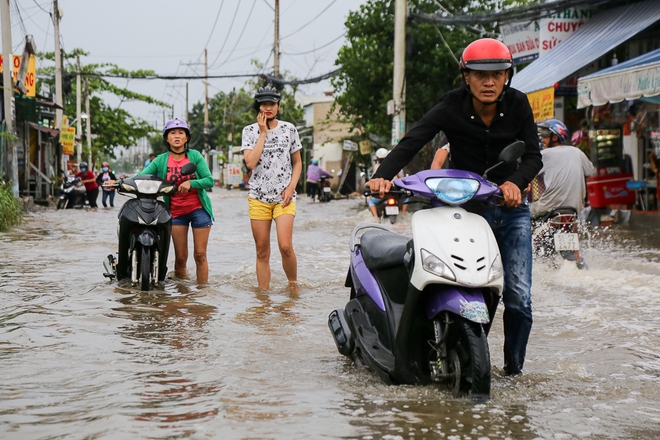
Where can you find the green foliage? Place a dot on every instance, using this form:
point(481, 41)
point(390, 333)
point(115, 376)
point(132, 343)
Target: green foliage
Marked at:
point(111, 126)
point(364, 85)
point(230, 112)
point(11, 213)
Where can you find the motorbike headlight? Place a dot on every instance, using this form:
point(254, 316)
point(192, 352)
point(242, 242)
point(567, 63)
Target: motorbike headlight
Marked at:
point(453, 191)
point(147, 186)
point(496, 269)
point(167, 189)
point(128, 187)
point(436, 266)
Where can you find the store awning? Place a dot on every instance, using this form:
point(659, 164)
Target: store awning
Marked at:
point(631, 79)
point(605, 31)
point(51, 131)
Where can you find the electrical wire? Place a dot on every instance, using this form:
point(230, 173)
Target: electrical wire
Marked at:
point(241, 34)
point(233, 20)
point(309, 22)
point(214, 24)
point(314, 50)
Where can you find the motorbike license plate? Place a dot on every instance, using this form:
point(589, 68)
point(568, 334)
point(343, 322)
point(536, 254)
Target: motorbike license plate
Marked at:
point(326, 189)
point(567, 241)
point(391, 210)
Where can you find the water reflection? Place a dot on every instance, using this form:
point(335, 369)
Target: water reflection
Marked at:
point(168, 329)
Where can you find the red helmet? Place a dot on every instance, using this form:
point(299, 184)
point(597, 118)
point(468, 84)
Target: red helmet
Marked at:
point(486, 54)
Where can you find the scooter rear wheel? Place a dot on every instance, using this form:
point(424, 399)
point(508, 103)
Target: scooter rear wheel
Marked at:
point(62, 203)
point(145, 269)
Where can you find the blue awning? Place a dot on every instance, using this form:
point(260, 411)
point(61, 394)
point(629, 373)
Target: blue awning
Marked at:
point(632, 79)
point(605, 31)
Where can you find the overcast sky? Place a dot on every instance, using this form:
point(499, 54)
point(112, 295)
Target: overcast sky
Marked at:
point(169, 37)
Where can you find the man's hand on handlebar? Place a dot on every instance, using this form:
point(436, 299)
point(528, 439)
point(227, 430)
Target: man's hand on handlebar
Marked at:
point(379, 185)
point(511, 193)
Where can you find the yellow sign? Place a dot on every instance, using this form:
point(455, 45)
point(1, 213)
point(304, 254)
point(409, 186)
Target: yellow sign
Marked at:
point(67, 138)
point(543, 104)
point(30, 77)
point(365, 147)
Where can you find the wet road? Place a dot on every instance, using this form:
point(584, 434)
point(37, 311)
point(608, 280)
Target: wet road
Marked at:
point(83, 358)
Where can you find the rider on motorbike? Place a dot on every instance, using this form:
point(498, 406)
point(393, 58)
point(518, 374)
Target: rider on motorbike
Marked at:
point(381, 153)
point(314, 174)
point(480, 120)
point(565, 168)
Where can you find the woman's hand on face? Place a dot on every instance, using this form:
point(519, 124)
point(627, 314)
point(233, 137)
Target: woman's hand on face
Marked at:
point(184, 187)
point(263, 122)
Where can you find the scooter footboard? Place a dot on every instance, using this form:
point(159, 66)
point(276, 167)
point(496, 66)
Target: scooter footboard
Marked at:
point(470, 303)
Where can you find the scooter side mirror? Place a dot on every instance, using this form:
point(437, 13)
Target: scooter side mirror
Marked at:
point(188, 169)
point(509, 154)
point(512, 152)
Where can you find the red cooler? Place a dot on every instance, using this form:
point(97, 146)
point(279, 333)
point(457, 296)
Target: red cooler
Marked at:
point(610, 190)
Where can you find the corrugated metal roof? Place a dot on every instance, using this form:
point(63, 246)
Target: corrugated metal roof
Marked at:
point(604, 32)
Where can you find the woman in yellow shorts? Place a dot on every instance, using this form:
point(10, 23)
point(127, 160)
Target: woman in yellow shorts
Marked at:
point(272, 151)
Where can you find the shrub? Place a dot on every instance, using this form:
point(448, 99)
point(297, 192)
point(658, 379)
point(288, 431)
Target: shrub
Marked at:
point(11, 212)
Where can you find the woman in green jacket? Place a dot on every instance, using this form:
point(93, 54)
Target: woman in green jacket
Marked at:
point(190, 205)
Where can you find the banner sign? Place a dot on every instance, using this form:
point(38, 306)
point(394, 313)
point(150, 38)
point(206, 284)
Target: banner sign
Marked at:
point(543, 104)
point(30, 77)
point(522, 39)
point(530, 40)
point(350, 146)
point(67, 139)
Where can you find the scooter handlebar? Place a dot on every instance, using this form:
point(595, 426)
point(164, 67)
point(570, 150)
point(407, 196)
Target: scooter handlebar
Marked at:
point(399, 192)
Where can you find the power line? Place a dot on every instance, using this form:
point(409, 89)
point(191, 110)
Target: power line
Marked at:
point(241, 35)
point(233, 20)
point(309, 22)
point(314, 50)
point(214, 24)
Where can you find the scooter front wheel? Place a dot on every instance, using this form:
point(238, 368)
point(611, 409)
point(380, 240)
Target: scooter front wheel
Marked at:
point(469, 359)
point(62, 203)
point(145, 269)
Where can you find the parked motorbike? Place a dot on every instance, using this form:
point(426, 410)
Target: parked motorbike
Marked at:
point(325, 191)
point(145, 226)
point(556, 235)
point(72, 193)
point(420, 309)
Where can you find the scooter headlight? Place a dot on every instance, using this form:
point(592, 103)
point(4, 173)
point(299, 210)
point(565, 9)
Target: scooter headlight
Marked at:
point(496, 269)
point(453, 191)
point(436, 266)
point(147, 186)
point(167, 189)
point(126, 186)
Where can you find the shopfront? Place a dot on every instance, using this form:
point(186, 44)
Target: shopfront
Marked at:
point(628, 95)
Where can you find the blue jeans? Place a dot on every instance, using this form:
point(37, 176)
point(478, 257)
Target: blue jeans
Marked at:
point(513, 232)
point(107, 194)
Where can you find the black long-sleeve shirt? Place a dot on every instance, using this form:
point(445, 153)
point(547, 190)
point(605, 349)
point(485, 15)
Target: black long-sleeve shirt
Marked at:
point(474, 146)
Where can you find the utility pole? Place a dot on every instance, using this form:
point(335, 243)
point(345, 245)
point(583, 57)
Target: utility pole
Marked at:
point(206, 101)
point(7, 83)
point(59, 93)
point(276, 46)
point(399, 80)
point(186, 103)
point(89, 126)
point(78, 109)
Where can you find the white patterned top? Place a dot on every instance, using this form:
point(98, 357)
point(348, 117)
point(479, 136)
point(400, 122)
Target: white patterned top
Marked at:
point(272, 174)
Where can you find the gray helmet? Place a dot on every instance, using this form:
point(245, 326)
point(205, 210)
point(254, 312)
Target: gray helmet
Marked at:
point(267, 94)
point(82, 165)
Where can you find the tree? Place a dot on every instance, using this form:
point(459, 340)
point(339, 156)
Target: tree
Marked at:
point(364, 84)
point(111, 126)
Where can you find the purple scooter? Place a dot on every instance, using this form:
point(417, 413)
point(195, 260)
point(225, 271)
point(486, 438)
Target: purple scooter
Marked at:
point(420, 308)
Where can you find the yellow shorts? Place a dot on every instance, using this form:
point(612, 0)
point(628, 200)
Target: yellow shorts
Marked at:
point(268, 211)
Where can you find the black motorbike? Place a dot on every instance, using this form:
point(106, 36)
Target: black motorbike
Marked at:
point(145, 227)
point(325, 191)
point(72, 193)
point(556, 234)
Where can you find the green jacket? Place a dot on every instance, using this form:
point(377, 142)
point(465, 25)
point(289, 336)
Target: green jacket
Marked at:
point(203, 177)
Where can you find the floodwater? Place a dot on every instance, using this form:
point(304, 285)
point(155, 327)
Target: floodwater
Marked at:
point(82, 358)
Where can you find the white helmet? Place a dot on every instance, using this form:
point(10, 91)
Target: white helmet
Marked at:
point(381, 153)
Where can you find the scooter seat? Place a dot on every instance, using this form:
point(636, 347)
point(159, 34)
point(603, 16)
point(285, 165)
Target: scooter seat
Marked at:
point(381, 249)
